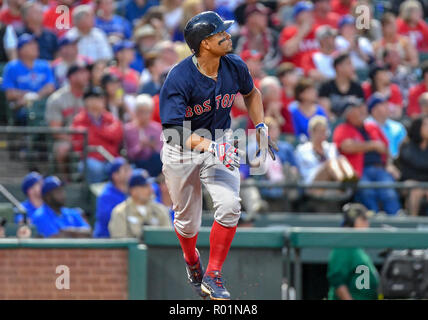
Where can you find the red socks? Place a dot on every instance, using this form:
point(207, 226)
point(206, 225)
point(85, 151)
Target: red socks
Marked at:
point(189, 248)
point(220, 241)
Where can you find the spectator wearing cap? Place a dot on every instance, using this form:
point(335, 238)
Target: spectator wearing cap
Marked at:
point(359, 48)
point(32, 188)
point(143, 137)
point(334, 93)
point(342, 262)
point(288, 76)
point(117, 101)
point(61, 108)
point(124, 53)
point(342, 7)
point(32, 15)
point(298, 39)
point(145, 38)
point(257, 35)
point(53, 219)
point(323, 15)
point(392, 40)
point(366, 148)
point(129, 217)
point(414, 165)
point(411, 23)
point(319, 64)
point(92, 41)
point(305, 107)
point(413, 109)
point(380, 82)
point(394, 131)
point(103, 130)
point(68, 55)
point(11, 14)
point(26, 79)
point(113, 25)
point(114, 192)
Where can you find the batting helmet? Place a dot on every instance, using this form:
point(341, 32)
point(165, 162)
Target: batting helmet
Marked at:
point(202, 26)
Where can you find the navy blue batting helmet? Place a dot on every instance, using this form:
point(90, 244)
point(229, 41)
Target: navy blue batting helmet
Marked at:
point(202, 26)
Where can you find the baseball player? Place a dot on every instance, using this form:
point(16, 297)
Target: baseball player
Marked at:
point(200, 90)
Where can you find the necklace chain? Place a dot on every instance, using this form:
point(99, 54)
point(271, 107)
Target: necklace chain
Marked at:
point(200, 69)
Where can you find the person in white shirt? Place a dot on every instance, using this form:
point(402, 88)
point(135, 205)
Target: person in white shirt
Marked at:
point(319, 160)
point(322, 60)
point(92, 42)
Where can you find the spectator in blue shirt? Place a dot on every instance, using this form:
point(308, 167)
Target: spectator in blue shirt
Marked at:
point(114, 192)
point(32, 188)
point(53, 220)
point(305, 107)
point(26, 79)
point(32, 15)
point(112, 24)
point(133, 10)
point(393, 130)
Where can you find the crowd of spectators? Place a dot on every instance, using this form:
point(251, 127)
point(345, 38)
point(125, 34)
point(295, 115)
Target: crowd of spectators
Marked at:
point(346, 103)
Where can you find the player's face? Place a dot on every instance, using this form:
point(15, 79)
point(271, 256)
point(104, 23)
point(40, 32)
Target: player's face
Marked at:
point(219, 44)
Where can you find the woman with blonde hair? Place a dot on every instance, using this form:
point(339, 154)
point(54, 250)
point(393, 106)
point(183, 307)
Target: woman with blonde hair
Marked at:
point(411, 24)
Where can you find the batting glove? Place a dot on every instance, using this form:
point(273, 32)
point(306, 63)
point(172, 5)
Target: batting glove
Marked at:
point(262, 132)
point(226, 153)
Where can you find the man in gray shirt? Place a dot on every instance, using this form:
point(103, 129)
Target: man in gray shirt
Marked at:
point(61, 108)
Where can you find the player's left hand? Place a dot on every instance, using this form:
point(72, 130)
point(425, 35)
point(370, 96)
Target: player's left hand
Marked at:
point(264, 142)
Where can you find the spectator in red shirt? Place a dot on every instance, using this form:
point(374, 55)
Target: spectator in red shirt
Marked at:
point(11, 15)
point(413, 108)
point(323, 14)
point(366, 148)
point(103, 130)
point(411, 24)
point(342, 7)
point(288, 76)
point(299, 40)
point(380, 81)
point(124, 53)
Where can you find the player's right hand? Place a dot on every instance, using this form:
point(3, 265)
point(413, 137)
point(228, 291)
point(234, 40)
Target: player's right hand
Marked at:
point(226, 153)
